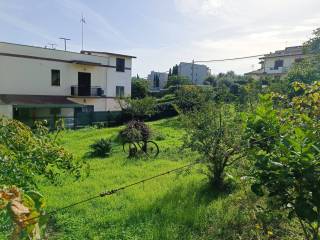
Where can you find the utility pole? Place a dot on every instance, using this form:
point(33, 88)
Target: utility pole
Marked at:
point(83, 21)
point(65, 42)
point(52, 45)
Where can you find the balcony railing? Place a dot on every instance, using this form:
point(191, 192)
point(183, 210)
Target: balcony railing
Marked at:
point(92, 91)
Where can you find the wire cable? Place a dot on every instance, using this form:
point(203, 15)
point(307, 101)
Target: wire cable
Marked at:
point(113, 191)
point(228, 59)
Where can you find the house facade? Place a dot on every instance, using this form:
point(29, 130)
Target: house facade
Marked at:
point(157, 80)
point(196, 73)
point(279, 62)
point(39, 83)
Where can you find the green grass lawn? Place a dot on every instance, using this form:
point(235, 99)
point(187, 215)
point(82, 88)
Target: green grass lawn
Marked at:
point(176, 206)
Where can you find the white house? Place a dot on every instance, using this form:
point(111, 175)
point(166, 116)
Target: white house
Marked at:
point(38, 82)
point(279, 62)
point(196, 73)
point(157, 80)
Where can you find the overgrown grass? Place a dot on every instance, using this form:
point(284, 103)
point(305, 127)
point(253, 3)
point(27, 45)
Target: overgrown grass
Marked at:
point(177, 206)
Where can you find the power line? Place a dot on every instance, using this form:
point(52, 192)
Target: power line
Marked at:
point(228, 59)
point(113, 191)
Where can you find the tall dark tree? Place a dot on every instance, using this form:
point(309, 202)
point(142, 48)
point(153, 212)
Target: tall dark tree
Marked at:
point(175, 70)
point(139, 88)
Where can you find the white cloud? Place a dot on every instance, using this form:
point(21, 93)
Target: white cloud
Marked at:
point(198, 6)
point(95, 21)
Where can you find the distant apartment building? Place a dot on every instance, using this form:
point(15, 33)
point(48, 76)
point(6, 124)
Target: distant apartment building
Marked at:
point(279, 62)
point(157, 80)
point(195, 72)
point(40, 83)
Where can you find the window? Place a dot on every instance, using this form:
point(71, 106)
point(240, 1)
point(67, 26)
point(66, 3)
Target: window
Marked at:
point(55, 77)
point(120, 65)
point(278, 64)
point(156, 81)
point(119, 91)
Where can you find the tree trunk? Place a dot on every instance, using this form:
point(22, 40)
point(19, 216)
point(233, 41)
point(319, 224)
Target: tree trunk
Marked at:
point(217, 180)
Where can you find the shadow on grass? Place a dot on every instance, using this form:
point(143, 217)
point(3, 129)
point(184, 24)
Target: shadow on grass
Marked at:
point(169, 123)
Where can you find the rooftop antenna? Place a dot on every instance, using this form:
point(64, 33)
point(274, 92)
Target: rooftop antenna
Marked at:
point(52, 45)
point(65, 42)
point(83, 21)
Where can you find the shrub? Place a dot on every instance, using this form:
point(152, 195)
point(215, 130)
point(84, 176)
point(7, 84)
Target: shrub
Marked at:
point(286, 163)
point(101, 148)
point(139, 108)
point(135, 131)
point(190, 97)
point(139, 88)
point(27, 154)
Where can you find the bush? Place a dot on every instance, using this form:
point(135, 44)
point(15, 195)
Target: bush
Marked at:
point(101, 148)
point(190, 97)
point(27, 154)
point(139, 88)
point(286, 163)
point(139, 108)
point(135, 131)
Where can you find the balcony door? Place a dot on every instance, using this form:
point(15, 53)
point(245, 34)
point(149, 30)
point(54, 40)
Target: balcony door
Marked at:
point(84, 84)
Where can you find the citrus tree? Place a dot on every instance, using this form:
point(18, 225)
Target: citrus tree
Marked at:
point(27, 156)
point(285, 152)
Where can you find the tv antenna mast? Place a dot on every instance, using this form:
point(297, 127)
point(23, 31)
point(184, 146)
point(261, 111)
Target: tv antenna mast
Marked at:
point(65, 42)
point(52, 45)
point(83, 21)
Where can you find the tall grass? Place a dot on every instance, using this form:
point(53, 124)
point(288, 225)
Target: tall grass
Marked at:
point(178, 206)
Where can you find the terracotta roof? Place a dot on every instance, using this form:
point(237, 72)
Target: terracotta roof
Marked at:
point(37, 101)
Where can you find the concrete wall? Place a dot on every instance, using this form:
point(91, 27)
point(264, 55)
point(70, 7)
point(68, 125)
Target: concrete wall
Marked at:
point(100, 104)
point(20, 75)
point(6, 110)
point(200, 72)
point(288, 61)
point(163, 79)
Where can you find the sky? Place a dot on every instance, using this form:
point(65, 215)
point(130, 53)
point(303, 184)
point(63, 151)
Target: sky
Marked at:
point(162, 33)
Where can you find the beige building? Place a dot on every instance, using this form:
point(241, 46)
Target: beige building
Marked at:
point(41, 83)
point(279, 62)
point(157, 80)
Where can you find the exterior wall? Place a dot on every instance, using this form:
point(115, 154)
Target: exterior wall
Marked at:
point(163, 78)
point(100, 104)
point(6, 110)
point(30, 76)
point(200, 72)
point(288, 61)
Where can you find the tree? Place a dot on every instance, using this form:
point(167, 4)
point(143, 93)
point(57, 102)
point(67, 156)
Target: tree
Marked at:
point(214, 132)
point(176, 80)
point(190, 98)
point(25, 155)
point(139, 108)
point(285, 152)
point(308, 70)
point(211, 80)
point(139, 88)
point(175, 70)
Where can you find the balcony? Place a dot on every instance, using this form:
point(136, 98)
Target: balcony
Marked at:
point(93, 91)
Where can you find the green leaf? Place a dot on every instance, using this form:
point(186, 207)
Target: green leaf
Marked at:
point(257, 189)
